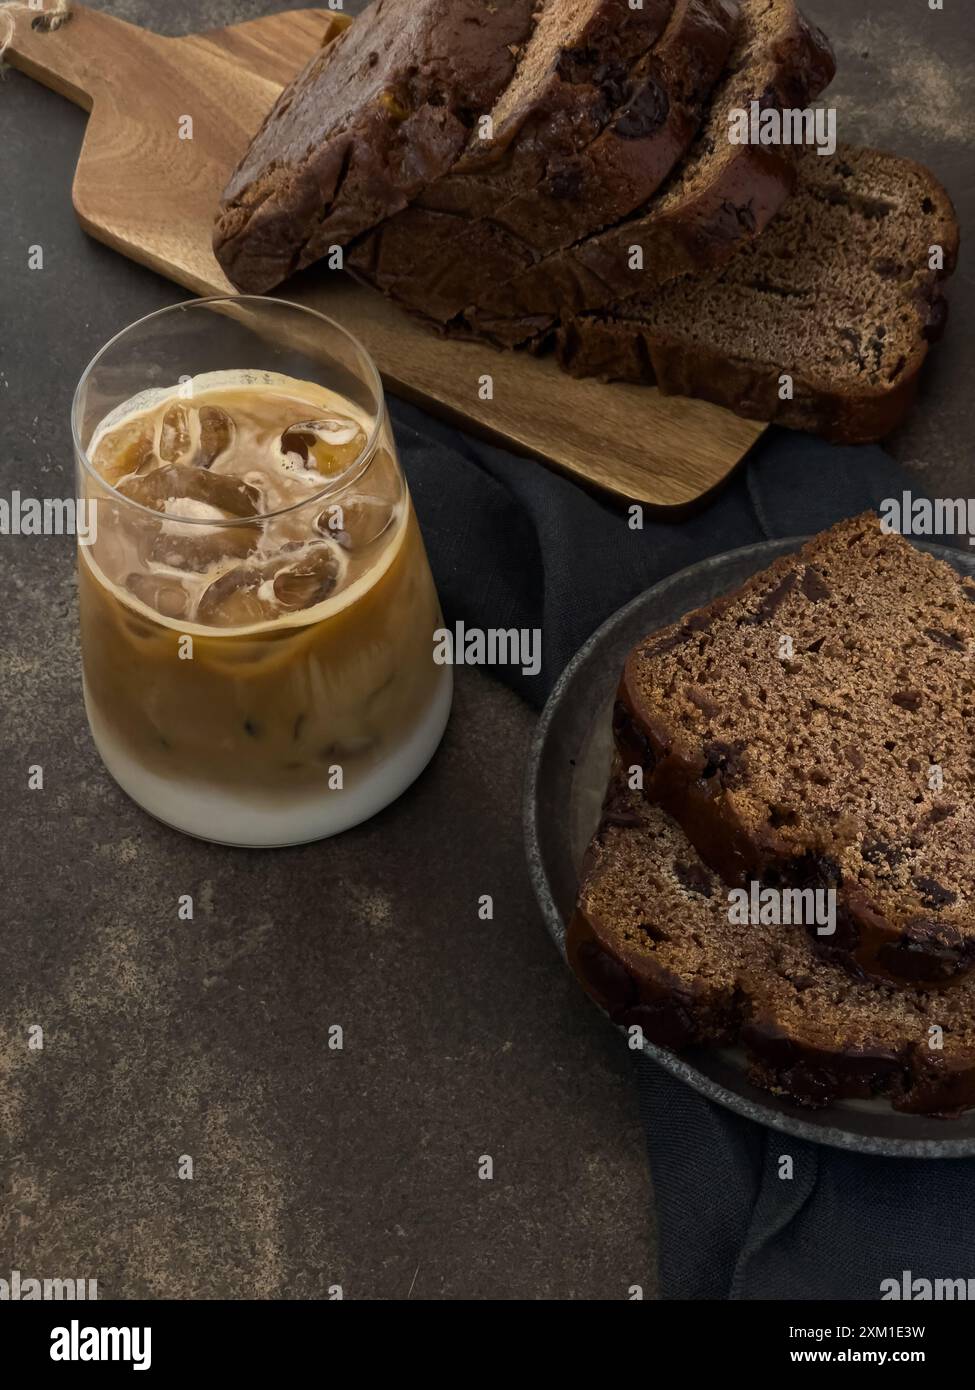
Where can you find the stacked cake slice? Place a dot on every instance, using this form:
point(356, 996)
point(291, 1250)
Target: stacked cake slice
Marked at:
point(651, 941)
point(602, 105)
point(822, 324)
point(805, 740)
point(571, 174)
point(719, 198)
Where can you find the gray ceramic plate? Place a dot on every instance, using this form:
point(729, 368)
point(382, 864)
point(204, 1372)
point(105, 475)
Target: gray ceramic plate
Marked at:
point(566, 780)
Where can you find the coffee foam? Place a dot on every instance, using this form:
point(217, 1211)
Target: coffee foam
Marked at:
point(232, 380)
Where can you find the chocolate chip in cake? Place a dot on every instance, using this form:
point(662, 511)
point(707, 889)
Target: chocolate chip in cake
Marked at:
point(928, 950)
point(621, 820)
point(933, 893)
point(887, 268)
point(945, 639)
point(653, 931)
point(667, 644)
point(773, 600)
point(576, 65)
point(629, 737)
point(646, 113)
point(565, 181)
point(613, 81)
point(880, 852)
point(814, 586)
point(744, 215)
point(814, 870)
point(935, 319)
point(851, 337)
point(702, 700)
point(724, 762)
point(695, 877)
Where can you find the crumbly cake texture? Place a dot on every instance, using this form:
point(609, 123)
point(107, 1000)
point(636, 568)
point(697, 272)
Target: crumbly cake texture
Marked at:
point(651, 941)
point(815, 729)
point(381, 112)
point(720, 196)
point(841, 293)
point(605, 100)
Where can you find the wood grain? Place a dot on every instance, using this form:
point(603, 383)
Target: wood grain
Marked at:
point(151, 194)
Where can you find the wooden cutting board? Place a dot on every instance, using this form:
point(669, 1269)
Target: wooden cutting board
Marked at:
point(149, 192)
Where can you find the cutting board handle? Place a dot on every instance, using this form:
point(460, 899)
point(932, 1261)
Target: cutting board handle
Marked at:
point(69, 59)
point(93, 52)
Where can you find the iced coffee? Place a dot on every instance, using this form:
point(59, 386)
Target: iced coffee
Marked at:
point(257, 609)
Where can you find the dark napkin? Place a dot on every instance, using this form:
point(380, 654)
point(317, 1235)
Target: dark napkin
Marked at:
point(514, 545)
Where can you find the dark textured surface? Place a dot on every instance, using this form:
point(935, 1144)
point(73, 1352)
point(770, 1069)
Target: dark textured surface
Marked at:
point(209, 1038)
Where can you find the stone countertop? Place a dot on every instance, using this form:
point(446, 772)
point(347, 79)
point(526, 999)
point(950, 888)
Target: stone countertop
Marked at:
point(209, 1038)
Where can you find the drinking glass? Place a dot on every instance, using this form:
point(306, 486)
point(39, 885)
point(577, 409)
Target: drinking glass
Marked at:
point(258, 663)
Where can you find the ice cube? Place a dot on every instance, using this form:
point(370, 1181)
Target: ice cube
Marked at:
point(355, 522)
point(217, 432)
point(214, 430)
point(307, 579)
point(167, 596)
point(123, 537)
point(327, 446)
point(174, 435)
point(301, 577)
point(203, 547)
point(235, 600)
point(172, 485)
point(124, 451)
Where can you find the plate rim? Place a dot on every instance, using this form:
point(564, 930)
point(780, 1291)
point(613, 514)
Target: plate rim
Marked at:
point(757, 1111)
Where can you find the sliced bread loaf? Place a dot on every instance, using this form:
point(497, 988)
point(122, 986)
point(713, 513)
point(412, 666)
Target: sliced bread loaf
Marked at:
point(822, 324)
point(605, 100)
point(722, 195)
point(653, 943)
point(817, 729)
point(377, 115)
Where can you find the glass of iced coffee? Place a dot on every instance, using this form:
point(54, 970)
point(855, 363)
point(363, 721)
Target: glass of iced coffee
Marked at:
point(257, 610)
